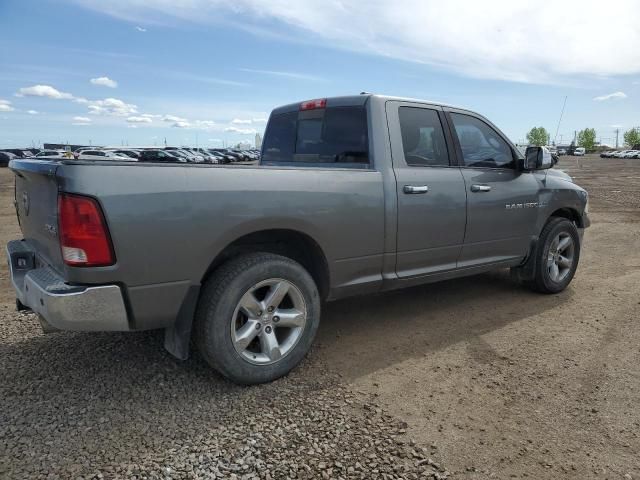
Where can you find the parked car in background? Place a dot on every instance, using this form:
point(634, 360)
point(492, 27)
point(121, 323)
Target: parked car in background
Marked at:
point(579, 152)
point(52, 154)
point(216, 157)
point(104, 155)
point(190, 156)
point(129, 153)
point(631, 154)
point(620, 153)
point(607, 153)
point(5, 158)
point(223, 154)
point(19, 152)
point(562, 151)
point(160, 156)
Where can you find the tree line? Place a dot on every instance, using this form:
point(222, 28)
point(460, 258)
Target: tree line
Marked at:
point(586, 138)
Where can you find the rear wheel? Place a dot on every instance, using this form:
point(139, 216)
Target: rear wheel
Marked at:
point(257, 317)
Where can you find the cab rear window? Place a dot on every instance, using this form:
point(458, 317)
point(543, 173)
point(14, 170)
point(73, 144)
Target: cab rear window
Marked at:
point(331, 137)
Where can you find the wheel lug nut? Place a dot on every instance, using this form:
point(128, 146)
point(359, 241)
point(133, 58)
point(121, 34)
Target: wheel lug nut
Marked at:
point(258, 326)
point(276, 319)
point(270, 309)
point(267, 329)
point(259, 313)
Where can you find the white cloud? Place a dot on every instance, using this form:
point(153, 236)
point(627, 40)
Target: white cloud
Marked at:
point(112, 106)
point(140, 29)
point(44, 91)
point(610, 96)
point(181, 124)
point(237, 121)
point(81, 123)
point(33, 112)
point(206, 124)
point(107, 106)
point(140, 119)
point(276, 73)
point(5, 106)
point(259, 120)
point(150, 115)
point(616, 126)
point(241, 131)
point(173, 118)
point(82, 119)
point(498, 39)
point(104, 82)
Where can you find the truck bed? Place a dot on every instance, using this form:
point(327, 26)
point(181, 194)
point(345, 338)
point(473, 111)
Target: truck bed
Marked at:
point(168, 221)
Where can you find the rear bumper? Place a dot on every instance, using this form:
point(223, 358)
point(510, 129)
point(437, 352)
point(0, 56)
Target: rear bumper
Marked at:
point(63, 306)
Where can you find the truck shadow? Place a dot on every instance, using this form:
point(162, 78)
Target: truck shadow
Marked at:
point(362, 334)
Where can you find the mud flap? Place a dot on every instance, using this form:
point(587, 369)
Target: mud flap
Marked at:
point(527, 270)
point(177, 338)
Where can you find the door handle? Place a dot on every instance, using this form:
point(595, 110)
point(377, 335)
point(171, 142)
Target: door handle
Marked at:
point(480, 188)
point(415, 189)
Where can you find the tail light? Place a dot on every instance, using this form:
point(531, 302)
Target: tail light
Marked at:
point(84, 237)
point(313, 104)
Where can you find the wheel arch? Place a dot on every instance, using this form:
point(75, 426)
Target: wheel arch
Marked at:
point(287, 242)
point(568, 213)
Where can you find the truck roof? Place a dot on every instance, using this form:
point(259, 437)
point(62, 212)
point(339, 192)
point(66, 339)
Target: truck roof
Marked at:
point(360, 100)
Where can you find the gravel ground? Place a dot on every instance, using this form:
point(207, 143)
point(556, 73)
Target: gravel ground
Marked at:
point(76, 405)
point(477, 375)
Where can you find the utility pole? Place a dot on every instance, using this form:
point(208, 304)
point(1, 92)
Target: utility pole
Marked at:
point(617, 133)
point(560, 120)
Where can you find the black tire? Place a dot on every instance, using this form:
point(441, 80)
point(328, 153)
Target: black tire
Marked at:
point(542, 279)
point(221, 296)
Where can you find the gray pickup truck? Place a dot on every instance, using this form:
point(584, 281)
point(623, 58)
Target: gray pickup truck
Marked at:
point(353, 195)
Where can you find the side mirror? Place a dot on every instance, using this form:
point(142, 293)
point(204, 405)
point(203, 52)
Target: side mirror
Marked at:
point(537, 158)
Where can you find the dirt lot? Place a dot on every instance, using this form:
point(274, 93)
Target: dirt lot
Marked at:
point(488, 379)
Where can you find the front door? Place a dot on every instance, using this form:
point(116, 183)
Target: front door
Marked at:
point(502, 202)
point(430, 191)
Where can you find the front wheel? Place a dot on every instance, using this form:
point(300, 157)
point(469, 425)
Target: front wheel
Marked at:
point(257, 317)
point(557, 256)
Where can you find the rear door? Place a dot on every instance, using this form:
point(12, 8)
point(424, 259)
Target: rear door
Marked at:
point(430, 190)
point(502, 205)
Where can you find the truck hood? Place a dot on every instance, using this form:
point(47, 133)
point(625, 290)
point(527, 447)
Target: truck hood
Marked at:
point(560, 174)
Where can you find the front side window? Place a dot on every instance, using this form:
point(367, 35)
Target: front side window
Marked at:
point(423, 140)
point(323, 137)
point(481, 145)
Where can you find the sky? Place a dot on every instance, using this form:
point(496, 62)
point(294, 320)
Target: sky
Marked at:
point(137, 72)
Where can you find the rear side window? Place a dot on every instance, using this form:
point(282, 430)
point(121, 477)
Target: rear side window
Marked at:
point(422, 137)
point(335, 136)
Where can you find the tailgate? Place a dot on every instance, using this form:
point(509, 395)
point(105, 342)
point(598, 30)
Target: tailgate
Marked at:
point(37, 208)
